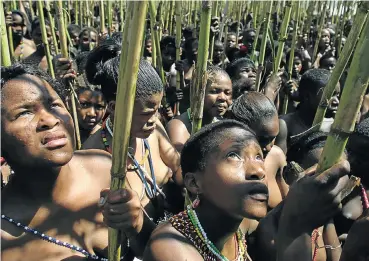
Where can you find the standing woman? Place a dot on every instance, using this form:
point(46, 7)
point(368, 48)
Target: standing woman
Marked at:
point(151, 159)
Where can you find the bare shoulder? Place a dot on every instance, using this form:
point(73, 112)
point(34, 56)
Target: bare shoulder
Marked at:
point(96, 162)
point(179, 125)
point(278, 154)
point(168, 244)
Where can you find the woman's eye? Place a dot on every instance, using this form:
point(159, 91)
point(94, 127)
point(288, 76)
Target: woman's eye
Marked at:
point(56, 105)
point(234, 155)
point(23, 113)
point(259, 157)
point(84, 105)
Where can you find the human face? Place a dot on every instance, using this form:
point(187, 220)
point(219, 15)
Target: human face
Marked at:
point(249, 39)
point(358, 147)
point(18, 26)
point(266, 131)
point(169, 57)
point(328, 64)
point(247, 72)
point(37, 129)
point(218, 51)
point(234, 179)
point(192, 53)
point(148, 48)
point(297, 66)
point(87, 38)
point(37, 35)
point(145, 115)
point(74, 36)
point(218, 96)
point(91, 109)
point(231, 40)
point(325, 39)
point(334, 102)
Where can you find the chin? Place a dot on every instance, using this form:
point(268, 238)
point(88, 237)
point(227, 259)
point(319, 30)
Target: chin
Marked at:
point(254, 210)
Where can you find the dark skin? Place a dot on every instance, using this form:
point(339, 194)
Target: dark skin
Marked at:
point(87, 38)
point(38, 138)
point(248, 40)
point(297, 122)
point(19, 29)
point(226, 187)
point(90, 111)
point(217, 53)
point(328, 63)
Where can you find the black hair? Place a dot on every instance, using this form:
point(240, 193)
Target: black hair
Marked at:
point(249, 30)
point(102, 68)
point(233, 67)
point(213, 70)
point(312, 81)
point(18, 69)
point(253, 107)
point(198, 147)
point(167, 41)
point(82, 83)
point(21, 14)
point(36, 23)
point(74, 28)
point(327, 56)
point(232, 33)
point(362, 129)
point(303, 144)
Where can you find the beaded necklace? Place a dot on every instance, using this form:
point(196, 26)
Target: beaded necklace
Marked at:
point(56, 241)
point(21, 50)
point(189, 225)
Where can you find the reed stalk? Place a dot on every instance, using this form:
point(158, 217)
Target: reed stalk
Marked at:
point(110, 17)
point(350, 103)
point(296, 8)
point(224, 56)
point(170, 23)
point(321, 23)
point(342, 26)
point(126, 91)
point(102, 17)
point(44, 38)
point(178, 47)
point(154, 47)
point(5, 54)
point(360, 19)
point(224, 25)
point(199, 79)
point(238, 18)
point(263, 45)
point(309, 17)
point(52, 27)
point(282, 35)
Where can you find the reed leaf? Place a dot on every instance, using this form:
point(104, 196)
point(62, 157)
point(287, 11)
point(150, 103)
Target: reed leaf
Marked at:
point(5, 54)
point(350, 103)
point(199, 79)
point(360, 18)
point(126, 91)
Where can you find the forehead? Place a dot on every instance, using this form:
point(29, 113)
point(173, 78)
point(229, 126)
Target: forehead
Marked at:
point(250, 34)
point(221, 80)
point(17, 18)
point(89, 94)
point(325, 32)
point(151, 102)
point(235, 136)
point(231, 36)
point(26, 89)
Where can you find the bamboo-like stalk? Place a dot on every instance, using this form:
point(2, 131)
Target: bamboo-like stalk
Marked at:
point(350, 103)
point(282, 36)
point(80, 12)
point(31, 9)
point(342, 26)
point(200, 76)
point(102, 17)
point(263, 45)
point(76, 12)
point(126, 91)
point(224, 25)
point(11, 45)
point(309, 17)
point(44, 38)
point(5, 54)
point(322, 18)
point(170, 24)
point(178, 47)
point(52, 27)
point(296, 8)
point(360, 19)
point(224, 56)
point(154, 47)
point(110, 17)
point(195, 17)
point(238, 18)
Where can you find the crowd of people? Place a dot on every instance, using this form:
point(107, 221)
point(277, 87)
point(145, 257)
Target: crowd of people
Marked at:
point(244, 187)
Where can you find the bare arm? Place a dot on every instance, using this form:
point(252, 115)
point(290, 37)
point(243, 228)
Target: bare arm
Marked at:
point(281, 140)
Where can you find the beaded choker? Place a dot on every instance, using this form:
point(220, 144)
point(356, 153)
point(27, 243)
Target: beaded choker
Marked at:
point(189, 225)
point(56, 241)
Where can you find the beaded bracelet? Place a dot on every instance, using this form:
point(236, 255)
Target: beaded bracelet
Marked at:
point(329, 246)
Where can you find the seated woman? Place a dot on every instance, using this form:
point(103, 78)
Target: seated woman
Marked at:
point(151, 158)
point(218, 97)
point(224, 170)
point(259, 113)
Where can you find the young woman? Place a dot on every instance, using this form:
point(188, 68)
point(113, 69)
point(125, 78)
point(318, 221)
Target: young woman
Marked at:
point(224, 170)
point(49, 207)
point(218, 97)
point(259, 113)
point(152, 160)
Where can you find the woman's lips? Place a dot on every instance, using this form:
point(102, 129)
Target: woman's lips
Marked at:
point(53, 140)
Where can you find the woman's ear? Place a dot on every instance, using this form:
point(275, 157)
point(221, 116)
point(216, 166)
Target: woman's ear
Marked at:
point(193, 183)
point(111, 106)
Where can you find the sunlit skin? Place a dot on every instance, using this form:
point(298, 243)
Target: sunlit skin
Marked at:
point(54, 189)
point(217, 53)
point(232, 187)
point(231, 40)
point(325, 40)
point(19, 29)
point(90, 111)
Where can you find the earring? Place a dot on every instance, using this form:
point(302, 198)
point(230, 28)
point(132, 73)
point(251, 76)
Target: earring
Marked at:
point(196, 202)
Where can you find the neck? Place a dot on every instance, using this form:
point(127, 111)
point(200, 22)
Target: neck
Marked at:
point(17, 41)
point(207, 119)
point(42, 183)
point(306, 115)
point(210, 217)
